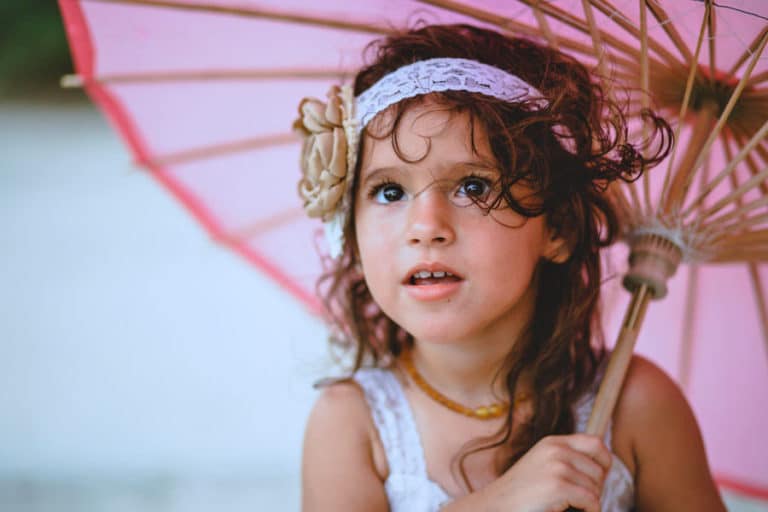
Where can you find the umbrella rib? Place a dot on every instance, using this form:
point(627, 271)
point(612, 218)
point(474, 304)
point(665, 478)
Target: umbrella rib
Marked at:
point(611, 12)
point(645, 98)
point(753, 142)
point(266, 224)
point(746, 54)
point(711, 30)
point(758, 78)
point(541, 20)
point(666, 23)
point(723, 117)
point(762, 305)
point(510, 25)
point(258, 12)
point(72, 81)
point(216, 150)
point(689, 315)
point(684, 106)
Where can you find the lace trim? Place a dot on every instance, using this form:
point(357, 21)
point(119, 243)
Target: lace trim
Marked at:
point(444, 74)
point(394, 421)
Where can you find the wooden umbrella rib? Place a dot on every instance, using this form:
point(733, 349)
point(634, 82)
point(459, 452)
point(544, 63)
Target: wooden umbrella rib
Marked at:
point(268, 223)
point(736, 194)
point(516, 27)
point(749, 51)
point(570, 20)
point(711, 30)
point(259, 12)
point(666, 23)
point(762, 304)
point(645, 98)
point(741, 256)
point(202, 153)
point(689, 316)
point(613, 13)
point(748, 239)
point(731, 167)
point(758, 78)
point(753, 167)
point(724, 116)
point(740, 225)
point(207, 75)
point(684, 108)
point(541, 20)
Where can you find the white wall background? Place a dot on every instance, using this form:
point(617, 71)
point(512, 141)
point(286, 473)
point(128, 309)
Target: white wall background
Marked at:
point(131, 346)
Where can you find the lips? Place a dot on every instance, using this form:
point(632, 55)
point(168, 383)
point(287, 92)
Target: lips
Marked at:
point(431, 274)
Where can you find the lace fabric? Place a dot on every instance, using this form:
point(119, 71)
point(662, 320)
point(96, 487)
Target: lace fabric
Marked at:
point(409, 488)
point(444, 74)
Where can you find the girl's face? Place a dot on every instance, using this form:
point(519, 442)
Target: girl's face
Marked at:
point(435, 262)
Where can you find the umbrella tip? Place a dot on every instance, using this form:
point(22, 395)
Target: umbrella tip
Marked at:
point(71, 81)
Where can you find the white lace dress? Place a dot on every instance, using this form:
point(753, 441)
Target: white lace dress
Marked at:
point(409, 488)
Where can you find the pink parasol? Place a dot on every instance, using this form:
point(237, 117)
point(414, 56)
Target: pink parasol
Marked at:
point(204, 92)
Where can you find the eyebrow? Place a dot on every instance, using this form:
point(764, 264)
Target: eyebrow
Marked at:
point(368, 175)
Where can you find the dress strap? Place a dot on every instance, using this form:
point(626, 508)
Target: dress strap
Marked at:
point(394, 421)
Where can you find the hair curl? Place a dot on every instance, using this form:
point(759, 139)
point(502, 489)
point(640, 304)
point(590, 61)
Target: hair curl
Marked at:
point(569, 153)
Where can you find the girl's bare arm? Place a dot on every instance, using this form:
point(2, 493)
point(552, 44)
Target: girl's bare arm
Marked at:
point(672, 470)
point(338, 471)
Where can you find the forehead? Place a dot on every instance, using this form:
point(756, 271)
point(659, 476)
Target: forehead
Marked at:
point(428, 131)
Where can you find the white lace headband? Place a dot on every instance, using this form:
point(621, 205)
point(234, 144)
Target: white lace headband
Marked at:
point(331, 130)
point(443, 74)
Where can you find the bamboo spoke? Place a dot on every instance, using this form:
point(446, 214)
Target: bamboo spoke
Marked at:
point(541, 20)
point(722, 229)
point(736, 194)
point(615, 42)
point(645, 98)
point(202, 153)
point(258, 12)
point(516, 27)
point(71, 81)
point(758, 78)
point(666, 23)
point(267, 224)
point(748, 239)
point(684, 107)
point(725, 114)
point(731, 167)
point(754, 169)
point(762, 305)
point(689, 316)
point(749, 51)
point(740, 256)
point(711, 40)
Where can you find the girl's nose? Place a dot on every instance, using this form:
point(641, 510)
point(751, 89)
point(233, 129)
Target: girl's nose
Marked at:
point(429, 220)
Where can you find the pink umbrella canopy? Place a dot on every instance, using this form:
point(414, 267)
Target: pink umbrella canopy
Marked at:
point(204, 93)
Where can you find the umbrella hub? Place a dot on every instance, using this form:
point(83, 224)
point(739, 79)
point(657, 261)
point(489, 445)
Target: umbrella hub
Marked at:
point(653, 259)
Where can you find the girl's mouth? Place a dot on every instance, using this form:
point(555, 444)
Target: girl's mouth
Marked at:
point(425, 277)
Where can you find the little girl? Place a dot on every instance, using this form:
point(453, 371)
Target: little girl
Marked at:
point(462, 186)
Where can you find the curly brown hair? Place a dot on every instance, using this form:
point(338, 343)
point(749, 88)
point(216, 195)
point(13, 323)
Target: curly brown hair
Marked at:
point(569, 153)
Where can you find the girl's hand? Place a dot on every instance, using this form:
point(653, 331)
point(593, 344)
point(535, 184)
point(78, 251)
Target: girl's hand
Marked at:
point(558, 472)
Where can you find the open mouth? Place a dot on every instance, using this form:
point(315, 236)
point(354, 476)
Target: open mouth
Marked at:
point(425, 278)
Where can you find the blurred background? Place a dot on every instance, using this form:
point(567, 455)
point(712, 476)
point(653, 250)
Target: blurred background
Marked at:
point(142, 367)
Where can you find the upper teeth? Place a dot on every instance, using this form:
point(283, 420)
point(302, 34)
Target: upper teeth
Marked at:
point(424, 274)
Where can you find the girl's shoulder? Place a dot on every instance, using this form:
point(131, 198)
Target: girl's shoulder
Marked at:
point(655, 426)
point(340, 450)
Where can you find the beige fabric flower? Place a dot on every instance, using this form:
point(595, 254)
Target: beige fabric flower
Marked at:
point(329, 151)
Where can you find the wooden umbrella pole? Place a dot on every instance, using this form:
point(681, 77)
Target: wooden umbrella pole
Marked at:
point(619, 362)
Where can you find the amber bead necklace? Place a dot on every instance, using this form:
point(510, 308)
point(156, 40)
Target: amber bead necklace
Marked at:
point(484, 412)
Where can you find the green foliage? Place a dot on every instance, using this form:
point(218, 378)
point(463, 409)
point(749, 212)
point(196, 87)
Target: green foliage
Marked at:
point(33, 48)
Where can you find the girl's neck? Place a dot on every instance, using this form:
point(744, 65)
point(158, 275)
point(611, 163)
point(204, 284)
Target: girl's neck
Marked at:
point(465, 372)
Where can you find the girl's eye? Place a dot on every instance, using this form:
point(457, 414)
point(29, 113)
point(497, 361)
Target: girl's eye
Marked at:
point(474, 187)
point(387, 193)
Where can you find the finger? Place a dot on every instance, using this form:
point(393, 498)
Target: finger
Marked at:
point(579, 497)
point(586, 465)
point(592, 446)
